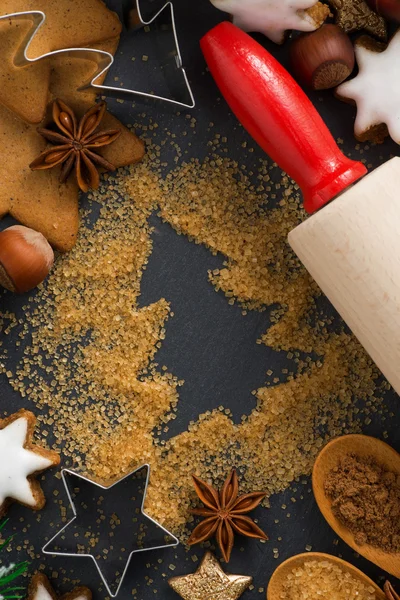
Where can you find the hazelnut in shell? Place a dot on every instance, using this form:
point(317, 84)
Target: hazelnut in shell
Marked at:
point(324, 58)
point(26, 258)
point(390, 9)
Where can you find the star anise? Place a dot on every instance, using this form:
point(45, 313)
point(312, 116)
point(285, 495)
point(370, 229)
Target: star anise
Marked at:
point(224, 514)
point(389, 591)
point(76, 145)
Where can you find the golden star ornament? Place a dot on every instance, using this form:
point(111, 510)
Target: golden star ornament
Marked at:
point(210, 582)
point(356, 15)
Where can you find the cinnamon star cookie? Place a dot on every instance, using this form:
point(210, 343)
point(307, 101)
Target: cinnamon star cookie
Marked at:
point(375, 90)
point(20, 460)
point(40, 589)
point(274, 17)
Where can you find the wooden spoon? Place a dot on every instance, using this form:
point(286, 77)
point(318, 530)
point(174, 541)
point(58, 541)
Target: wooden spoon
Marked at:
point(329, 458)
point(275, 589)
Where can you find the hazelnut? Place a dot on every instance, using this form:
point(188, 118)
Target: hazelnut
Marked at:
point(324, 58)
point(390, 9)
point(26, 258)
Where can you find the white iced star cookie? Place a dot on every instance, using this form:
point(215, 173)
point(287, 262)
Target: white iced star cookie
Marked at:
point(20, 460)
point(274, 17)
point(375, 90)
point(40, 589)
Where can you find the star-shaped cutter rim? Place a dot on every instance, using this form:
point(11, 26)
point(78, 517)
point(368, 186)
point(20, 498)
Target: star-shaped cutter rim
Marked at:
point(66, 472)
point(102, 58)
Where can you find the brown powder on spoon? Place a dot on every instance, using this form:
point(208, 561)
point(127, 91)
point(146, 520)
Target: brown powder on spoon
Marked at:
point(366, 500)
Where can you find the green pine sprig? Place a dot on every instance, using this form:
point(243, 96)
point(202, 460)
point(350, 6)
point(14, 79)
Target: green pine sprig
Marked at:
point(10, 573)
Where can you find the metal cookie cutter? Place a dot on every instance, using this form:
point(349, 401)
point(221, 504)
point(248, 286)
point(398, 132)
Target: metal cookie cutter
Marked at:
point(160, 15)
point(123, 529)
point(166, 45)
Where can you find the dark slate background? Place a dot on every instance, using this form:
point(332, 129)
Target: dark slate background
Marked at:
point(204, 326)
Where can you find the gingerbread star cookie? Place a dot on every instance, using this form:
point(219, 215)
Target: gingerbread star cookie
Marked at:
point(210, 582)
point(274, 17)
point(20, 460)
point(36, 198)
point(23, 90)
point(356, 15)
point(69, 24)
point(40, 589)
point(375, 90)
point(67, 76)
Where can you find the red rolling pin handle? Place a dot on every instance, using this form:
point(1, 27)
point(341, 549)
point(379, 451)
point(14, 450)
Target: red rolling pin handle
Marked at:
point(278, 115)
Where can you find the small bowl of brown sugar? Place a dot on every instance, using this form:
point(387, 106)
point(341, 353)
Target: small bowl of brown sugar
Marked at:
point(356, 483)
point(317, 576)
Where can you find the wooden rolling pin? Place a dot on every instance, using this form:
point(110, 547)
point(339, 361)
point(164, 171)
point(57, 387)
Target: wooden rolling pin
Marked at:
point(351, 244)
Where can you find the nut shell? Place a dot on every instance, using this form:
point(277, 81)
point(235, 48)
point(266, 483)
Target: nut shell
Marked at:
point(324, 58)
point(26, 258)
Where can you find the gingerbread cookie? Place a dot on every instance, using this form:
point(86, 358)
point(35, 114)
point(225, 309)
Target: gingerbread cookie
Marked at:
point(35, 198)
point(356, 15)
point(274, 17)
point(67, 75)
point(69, 23)
point(375, 90)
point(25, 90)
point(41, 589)
point(20, 461)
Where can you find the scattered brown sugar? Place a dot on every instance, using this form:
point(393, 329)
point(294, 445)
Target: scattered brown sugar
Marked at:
point(366, 499)
point(89, 364)
point(324, 580)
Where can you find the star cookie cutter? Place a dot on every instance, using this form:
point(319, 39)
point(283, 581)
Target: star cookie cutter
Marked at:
point(65, 474)
point(169, 57)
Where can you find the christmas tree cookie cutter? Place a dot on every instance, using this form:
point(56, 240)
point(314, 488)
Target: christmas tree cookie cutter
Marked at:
point(162, 538)
point(169, 55)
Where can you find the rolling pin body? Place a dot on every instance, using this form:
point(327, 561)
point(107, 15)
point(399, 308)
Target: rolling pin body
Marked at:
point(351, 246)
point(352, 250)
